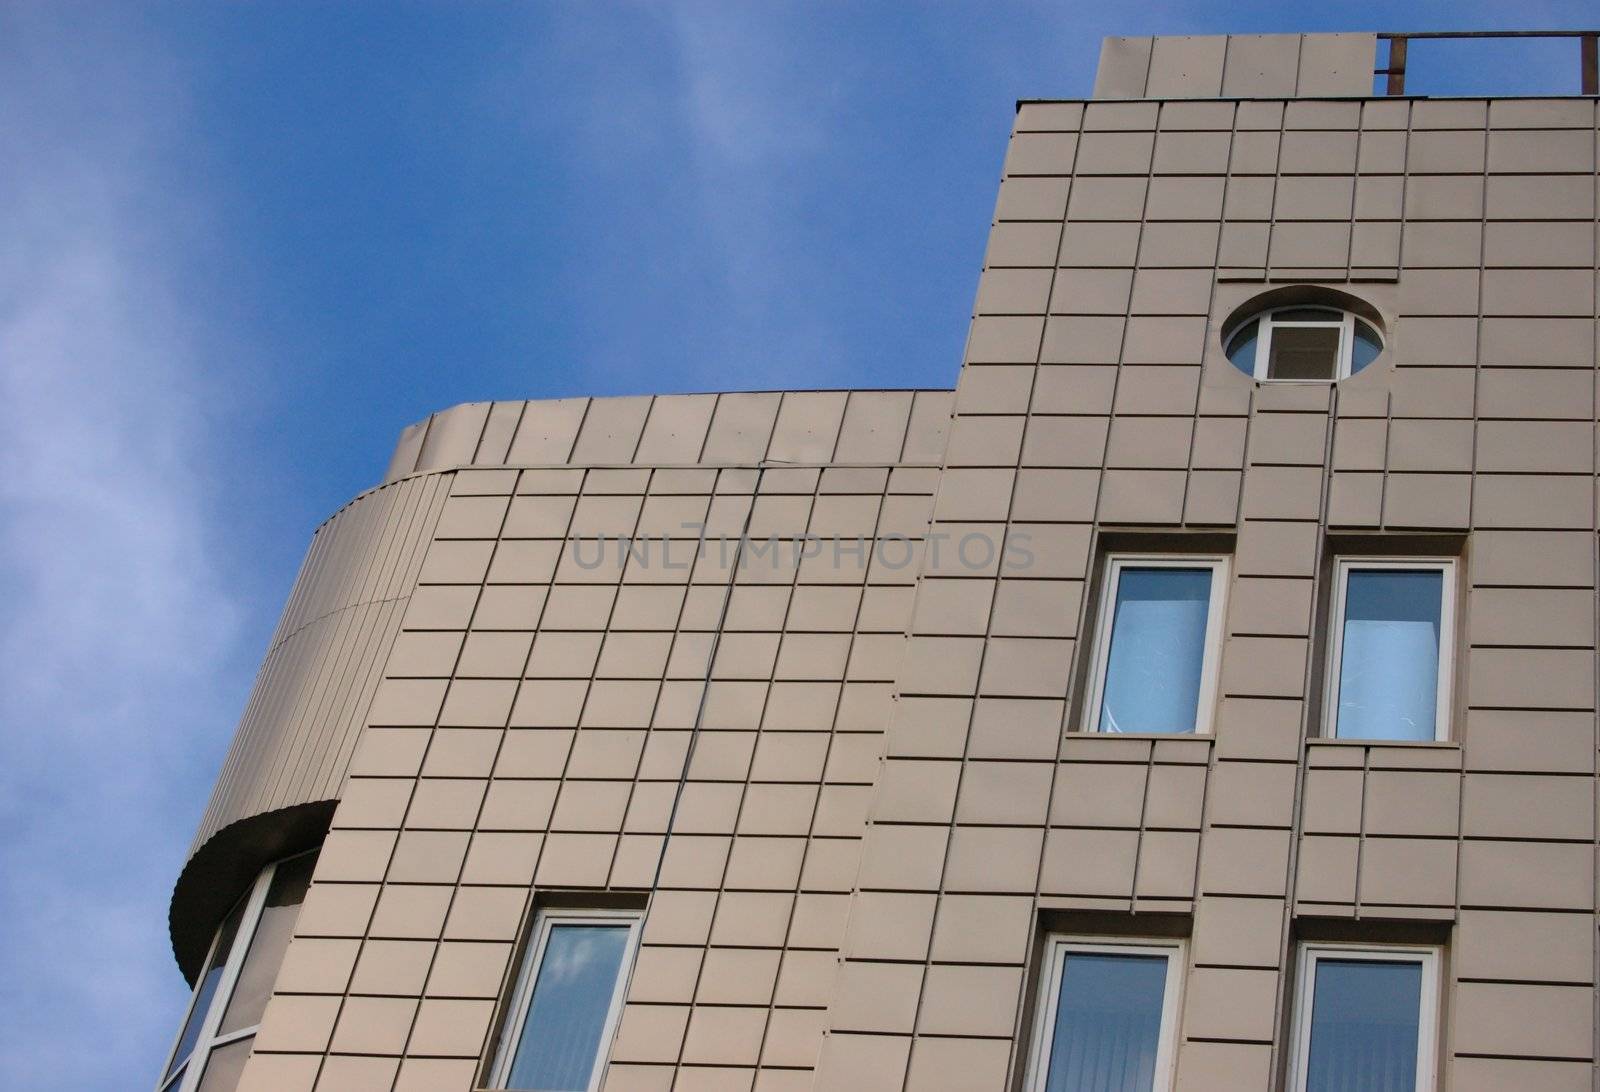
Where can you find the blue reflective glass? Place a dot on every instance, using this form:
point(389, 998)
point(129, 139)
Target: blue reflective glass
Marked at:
point(1365, 1018)
point(1158, 644)
point(1108, 1023)
point(206, 989)
point(1366, 347)
point(560, 1043)
point(1389, 659)
point(1242, 348)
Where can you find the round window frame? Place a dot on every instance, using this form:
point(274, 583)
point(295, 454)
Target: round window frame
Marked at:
point(1265, 323)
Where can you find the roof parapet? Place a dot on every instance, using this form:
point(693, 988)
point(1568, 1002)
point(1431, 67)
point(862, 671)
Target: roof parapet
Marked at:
point(1278, 66)
point(1287, 66)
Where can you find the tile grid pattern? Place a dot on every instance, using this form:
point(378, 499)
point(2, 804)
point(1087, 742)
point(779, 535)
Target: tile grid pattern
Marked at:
point(1284, 515)
point(308, 706)
point(478, 540)
point(826, 958)
point(445, 1021)
point(1094, 400)
point(720, 1027)
point(952, 1051)
point(1235, 775)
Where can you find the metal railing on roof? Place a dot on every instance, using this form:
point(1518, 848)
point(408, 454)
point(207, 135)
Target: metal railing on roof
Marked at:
point(1588, 51)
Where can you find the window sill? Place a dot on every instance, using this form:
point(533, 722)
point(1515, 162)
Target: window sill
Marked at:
point(1080, 733)
point(1331, 741)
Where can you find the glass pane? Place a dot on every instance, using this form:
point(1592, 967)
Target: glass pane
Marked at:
point(1364, 1026)
point(206, 987)
point(1108, 1023)
point(1158, 644)
point(1389, 662)
point(226, 1065)
point(1304, 352)
point(560, 1041)
point(1366, 347)
point(1242, 348)
point(260, 968)
point(1309, 314)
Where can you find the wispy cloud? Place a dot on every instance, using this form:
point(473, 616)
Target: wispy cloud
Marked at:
point(702, 195)
point(758, 125)
point(116, 628)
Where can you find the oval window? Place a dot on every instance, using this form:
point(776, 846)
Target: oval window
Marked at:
point(1305, 344)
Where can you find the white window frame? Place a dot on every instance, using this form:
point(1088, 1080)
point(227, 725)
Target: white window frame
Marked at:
point(208, 1039)
point(1344, 566)
point(1057, 946)
point(1344, 321)
point(512, 1028)
point(1210, 657)
point(1427, 1006)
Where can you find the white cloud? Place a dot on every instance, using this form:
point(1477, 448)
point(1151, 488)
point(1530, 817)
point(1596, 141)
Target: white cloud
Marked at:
point(760, 128)
point(117, 629)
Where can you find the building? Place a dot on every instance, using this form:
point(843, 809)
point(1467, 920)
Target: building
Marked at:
point(1201, 695)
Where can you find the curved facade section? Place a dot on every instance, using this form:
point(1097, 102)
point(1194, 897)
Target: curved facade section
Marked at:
point(857, 738)
point(300, 725)
point(299, 728)
point(327, 658)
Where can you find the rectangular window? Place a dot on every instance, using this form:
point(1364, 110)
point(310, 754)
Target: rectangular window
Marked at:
point(1107, 1016)
point(1390, 661)
point(1365, 1018)
point(568, 999)
point(1160, 630)
point(1308, 350)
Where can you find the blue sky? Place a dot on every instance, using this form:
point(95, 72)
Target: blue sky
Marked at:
point(244, 244)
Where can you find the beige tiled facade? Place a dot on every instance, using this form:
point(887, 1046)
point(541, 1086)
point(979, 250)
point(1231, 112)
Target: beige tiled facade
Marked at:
point(839, 763)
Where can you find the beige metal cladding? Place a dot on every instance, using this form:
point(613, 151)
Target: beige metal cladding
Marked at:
point(322, 671)
point(295, 738)
point(852, 798)
point(1096, 411)
point(701, 720)
point(873, 427)
point(1257, 66)
point(322, 667)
